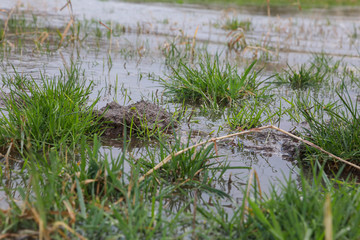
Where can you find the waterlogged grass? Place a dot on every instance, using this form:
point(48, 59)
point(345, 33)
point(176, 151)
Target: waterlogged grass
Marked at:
point(334, 127)
point(51, 113)
point(196, 168)
point(250, 114)
point(211, 83)
point(313, 211)
point(97, 196)
point(90, 194)
point(93, 194)
point(302, 78)
point(25, 31)
point(322, 71)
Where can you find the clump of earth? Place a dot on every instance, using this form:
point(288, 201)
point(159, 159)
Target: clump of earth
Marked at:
point(140, 115)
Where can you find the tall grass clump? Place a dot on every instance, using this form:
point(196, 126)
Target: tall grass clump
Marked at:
point(211, 82)
point(52, 112)
point(336, 129)
point(321, 70)
point(306, 76)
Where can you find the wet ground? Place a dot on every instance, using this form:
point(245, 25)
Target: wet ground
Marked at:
point(288, 36)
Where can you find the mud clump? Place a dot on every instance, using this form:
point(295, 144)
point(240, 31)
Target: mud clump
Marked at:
point(142, 115)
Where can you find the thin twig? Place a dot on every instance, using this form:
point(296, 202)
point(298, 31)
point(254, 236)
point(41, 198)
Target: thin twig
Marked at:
point(7, 166)
point(170, 156)
point(65, 31)
point(316, 146)
point(193, 45)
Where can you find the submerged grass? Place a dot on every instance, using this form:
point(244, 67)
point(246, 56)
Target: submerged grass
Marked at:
point(211, 83)
point(50, 113)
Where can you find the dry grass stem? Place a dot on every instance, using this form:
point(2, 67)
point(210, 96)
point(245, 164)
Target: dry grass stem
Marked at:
point(7, 21)
point(7, 166)
point(193, 45)
point(328, 218)
point(170, 156)
point(67, 28)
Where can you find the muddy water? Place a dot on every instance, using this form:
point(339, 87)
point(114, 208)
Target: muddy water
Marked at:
point(286, 37)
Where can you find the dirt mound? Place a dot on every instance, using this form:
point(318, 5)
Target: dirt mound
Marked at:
point(140, 115)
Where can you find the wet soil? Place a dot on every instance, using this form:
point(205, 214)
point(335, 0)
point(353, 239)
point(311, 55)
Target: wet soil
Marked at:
point(142, 116)
point(269, 142)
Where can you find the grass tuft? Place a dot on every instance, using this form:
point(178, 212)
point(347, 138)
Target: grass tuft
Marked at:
point(211, 83)
point(50, 113)
point(334, 127)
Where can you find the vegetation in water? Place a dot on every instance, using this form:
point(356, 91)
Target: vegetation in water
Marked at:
point(334, 127)
point(68, 185)
point(51, 113)
point(211, 82)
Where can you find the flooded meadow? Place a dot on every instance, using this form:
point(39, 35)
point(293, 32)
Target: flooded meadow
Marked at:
point(178, 121)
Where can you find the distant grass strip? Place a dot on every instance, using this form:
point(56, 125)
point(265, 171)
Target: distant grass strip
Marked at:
point(263, 3)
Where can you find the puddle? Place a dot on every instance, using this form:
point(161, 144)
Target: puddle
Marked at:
point(122, 67)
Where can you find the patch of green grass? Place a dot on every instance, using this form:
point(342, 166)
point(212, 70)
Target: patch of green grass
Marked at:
point(250, 114)
point(93, 194)
point(335, 129)
point(78, 199)
point(292, 212)
point(182, 167)
point(211, 82)
point(234, 23)
point(321, 71)
point(48, 113)
point(303, 78)
point(99, 196)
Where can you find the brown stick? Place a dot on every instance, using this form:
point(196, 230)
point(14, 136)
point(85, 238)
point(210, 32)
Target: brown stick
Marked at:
point(317, 147)
point(170, 156)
